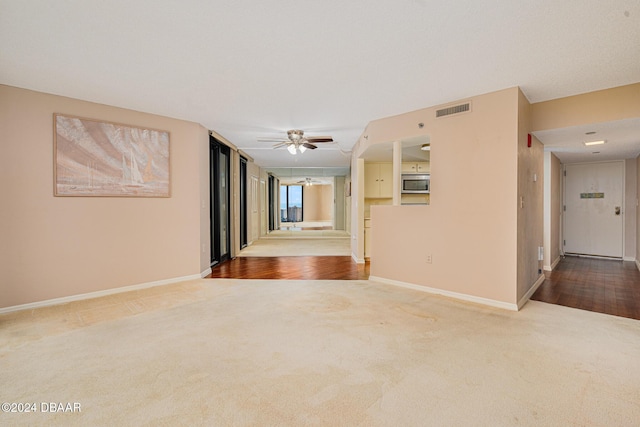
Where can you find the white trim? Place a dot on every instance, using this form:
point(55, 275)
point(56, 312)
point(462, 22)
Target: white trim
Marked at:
point(531, 291)
point(357, 260)
point(628, 258)
point(555, 263)
point(456, 295)
point(638, 264)
point(205, 273)
point(97, 294)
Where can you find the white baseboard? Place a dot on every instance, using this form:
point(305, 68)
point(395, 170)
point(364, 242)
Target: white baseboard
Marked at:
point(553, 265)
point(205, 273)
point(357, 260)
point(456, 295)
point(628, 258)
point(638, 264)
point(531, 291)
point(97, 294)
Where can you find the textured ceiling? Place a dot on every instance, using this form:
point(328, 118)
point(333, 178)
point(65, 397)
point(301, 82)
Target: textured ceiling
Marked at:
point(253, 69)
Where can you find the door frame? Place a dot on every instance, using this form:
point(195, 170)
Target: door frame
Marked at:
point(243, 203)
point(564, 210)
point(216, 148)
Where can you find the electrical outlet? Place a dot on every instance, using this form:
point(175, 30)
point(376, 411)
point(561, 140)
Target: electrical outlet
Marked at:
point(428, 259)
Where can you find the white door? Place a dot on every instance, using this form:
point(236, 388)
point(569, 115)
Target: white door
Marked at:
point(263, 207)
point(255, 217)
point(593, 223)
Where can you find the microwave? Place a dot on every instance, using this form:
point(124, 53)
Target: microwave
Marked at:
point(416, 183)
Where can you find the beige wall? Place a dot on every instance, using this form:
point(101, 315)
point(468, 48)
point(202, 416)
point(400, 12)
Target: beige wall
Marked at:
point(552, 210)
point(594, 107)
point(317, 203)
point(638, 213)
point(630, 209)
point(61, 246)
point(530, 200)
point(205, 207)
point(470, 227)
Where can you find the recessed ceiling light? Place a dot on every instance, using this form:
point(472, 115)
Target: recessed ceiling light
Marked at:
point(426, 147)
point(590, 133)
point(594, 143)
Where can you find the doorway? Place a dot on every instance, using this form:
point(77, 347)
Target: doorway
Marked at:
point(274, 219)
point(219, 170)
point(593, 204)
point(243, 203)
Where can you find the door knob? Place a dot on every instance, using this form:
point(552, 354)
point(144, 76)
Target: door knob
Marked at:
point(617, 210)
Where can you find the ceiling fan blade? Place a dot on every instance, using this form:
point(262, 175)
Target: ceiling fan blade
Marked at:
point(307, 145)
point(281, 144)
point(319, 139)
point(272, 140)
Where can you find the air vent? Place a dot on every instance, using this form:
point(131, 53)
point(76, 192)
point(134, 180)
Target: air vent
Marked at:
point(456, 109)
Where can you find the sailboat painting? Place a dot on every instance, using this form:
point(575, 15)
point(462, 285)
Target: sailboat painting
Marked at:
point(96, 158)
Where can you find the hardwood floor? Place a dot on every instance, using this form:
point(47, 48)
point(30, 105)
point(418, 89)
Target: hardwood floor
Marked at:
point(603, 286)
point(292, 268)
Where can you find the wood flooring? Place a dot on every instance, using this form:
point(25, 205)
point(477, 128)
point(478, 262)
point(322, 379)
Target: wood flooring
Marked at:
point(600, 285)
point(604, 286)
point(292, 268)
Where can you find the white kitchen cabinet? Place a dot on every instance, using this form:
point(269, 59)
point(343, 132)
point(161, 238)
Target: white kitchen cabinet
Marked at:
point(416, 167)
point(378, 180)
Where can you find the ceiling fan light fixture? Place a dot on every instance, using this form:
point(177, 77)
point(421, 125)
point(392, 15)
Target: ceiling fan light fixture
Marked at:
point(292, 149)
point(302, 148)
point(295, 135)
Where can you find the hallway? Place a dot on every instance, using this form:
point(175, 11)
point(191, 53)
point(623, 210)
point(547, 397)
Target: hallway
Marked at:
point(300, 251)
point(600, 285)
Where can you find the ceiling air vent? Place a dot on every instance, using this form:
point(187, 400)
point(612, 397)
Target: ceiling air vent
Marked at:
point(456, 109)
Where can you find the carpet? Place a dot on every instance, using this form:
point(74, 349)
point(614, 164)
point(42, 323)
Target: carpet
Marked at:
point(300, 243)
point(358, 353)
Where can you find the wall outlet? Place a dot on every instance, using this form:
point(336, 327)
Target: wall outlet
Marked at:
point(429, 259)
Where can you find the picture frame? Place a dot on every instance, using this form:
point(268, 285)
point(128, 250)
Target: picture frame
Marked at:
point(107, 159)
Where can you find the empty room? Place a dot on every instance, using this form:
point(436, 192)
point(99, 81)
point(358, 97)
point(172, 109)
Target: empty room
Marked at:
point(344, 213)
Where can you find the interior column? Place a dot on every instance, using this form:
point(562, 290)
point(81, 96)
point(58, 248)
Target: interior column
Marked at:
point(397, 171)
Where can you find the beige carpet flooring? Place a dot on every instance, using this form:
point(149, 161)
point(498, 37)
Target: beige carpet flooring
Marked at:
point(300, 243)
point(355, 353)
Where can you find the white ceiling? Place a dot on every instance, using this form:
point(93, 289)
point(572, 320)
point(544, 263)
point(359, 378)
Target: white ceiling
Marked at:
point(253, 69)
point(622, 141)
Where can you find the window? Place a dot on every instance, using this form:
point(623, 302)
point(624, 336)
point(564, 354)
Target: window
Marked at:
point(291, 203)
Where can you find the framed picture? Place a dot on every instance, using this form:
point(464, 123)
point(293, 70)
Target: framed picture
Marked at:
point(96, 158)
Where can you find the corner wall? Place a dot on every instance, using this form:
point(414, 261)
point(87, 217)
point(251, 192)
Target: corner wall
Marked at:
point(552, 210)
point(530, 202)
point(55, 247)
point(638, 213)
point(470, 227)
point(630, 209)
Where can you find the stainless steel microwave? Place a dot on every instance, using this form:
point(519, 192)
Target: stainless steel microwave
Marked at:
point(416, 183)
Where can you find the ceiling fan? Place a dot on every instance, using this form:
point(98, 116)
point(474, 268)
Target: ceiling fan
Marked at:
point(308, 182)
point(298, 142)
